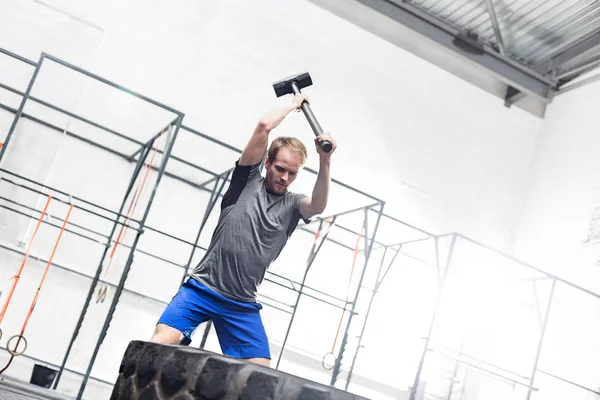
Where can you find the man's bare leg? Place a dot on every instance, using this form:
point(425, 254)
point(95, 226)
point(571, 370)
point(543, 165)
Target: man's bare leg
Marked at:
point(260, 361)
point(165, 334)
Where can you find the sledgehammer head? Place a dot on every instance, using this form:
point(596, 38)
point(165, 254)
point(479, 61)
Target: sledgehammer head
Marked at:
point(284, 86)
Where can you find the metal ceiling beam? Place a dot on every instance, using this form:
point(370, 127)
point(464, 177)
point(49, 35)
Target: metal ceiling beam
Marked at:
point(497, 33)
point(509, 71)
point(576, 85)
point(581, 68)
point(567, 54)
point(512, 96)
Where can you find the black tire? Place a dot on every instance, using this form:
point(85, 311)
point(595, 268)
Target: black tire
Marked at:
point(154, 371)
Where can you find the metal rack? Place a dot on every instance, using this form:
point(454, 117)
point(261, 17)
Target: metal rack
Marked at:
point(215, 186)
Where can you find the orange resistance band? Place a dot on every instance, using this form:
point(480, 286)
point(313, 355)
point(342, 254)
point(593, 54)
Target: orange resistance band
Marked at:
point(132, 206)
point(37, 293)
point(358, 238)
point(18, 275)
point(316, 237)
point(103, 289)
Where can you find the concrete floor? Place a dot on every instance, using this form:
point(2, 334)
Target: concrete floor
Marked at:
point(13, 390)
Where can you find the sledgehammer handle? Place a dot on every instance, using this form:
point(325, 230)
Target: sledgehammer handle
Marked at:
point(312, 121)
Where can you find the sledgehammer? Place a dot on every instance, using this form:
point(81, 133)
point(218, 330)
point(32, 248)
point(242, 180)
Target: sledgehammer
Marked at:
point(293, 84)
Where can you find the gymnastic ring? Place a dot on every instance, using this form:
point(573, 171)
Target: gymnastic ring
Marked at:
point(14, 352)
point(323, 361)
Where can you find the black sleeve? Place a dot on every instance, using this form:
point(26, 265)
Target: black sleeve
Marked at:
point(242, 174)
point(296, 217)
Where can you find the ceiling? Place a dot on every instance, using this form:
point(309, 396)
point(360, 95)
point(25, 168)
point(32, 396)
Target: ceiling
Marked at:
point(525, 52)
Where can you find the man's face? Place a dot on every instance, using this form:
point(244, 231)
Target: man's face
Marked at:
point(281, 172)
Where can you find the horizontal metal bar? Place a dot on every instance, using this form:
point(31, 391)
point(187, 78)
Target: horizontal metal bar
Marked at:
point(353, 210)
point(217, 141)
point(346, 186)
point(306, 168)
point(91, 142)
point(411, 241)
point(16, 203)
point(109, 83)
point(583, 82)
point(305, 294)
point(214, 178)
point(304, 228)
point(122, 155)
point(417, 259)
point(174, 238)
point(188, 163)
point(68, 133)
point(153, 138)
point(581, 68)
point(65, 202)
point(512, 72)
point(408, 225)
point(485, 371)
point(524, 264)
point(570, 52)
point(70, 114)
point(44, 221)
point(18, 57)
point(275, 307)
point(275, 300)
point(64, 194)
point(84, 275)
point(201, 186)
point(478, 360)
point(48, 363)
point(307, 287)
point(569, 382)
point(84, 236)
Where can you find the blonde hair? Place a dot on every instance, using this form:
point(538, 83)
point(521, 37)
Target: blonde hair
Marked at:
point(283, 141)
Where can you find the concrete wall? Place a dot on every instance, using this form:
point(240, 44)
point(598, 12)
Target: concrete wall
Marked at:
point(444, 155)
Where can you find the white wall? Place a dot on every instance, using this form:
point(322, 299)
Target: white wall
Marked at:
point(563, 196)
point(443, 154)
point(564, 190)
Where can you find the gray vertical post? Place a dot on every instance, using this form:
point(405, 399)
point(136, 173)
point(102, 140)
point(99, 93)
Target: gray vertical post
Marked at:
point(205, 335)
point(214, 197)
point(121, 285)
point(541, 341)
point(96, 278)
point(413, 389)
point(21, 107)
point(378, 283)
point(338, 360)
point(455, 372)
point(311, 259)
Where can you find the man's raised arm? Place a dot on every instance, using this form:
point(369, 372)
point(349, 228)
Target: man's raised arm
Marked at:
point(316, 204)
point(257, 145)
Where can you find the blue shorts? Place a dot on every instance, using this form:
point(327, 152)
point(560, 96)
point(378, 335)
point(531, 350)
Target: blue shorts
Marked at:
point(238, 325)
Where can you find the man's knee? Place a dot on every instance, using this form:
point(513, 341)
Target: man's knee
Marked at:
point(165, 334)
point(260, 361)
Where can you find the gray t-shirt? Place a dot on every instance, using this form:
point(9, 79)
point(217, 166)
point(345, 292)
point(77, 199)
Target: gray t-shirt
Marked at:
point(252, 229)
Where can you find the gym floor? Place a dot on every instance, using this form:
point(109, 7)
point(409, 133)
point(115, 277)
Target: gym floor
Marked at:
point(14, 390)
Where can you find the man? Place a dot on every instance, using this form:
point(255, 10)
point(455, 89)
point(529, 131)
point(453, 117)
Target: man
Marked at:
point(258, 215)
